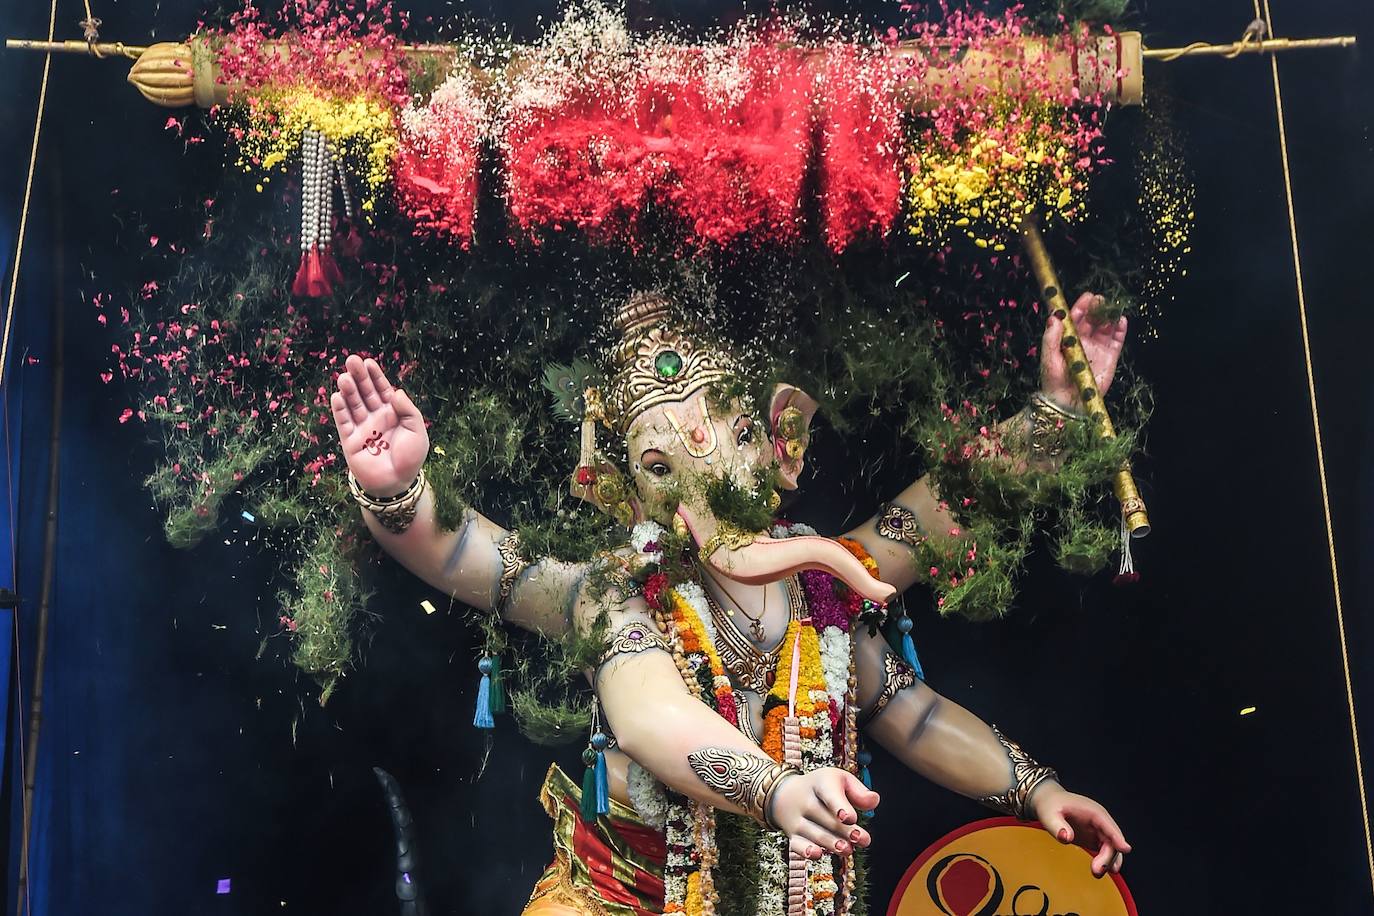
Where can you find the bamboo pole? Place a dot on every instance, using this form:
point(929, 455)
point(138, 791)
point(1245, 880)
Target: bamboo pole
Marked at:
point(94, 49)
point(1123, 484)
point(45, 599)
point(179, 74)
point(1236, 48)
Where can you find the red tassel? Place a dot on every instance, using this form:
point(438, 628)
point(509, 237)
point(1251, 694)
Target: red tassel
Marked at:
point(351, 245)
point(300, 287)
point(317, 284)
point(331, 271)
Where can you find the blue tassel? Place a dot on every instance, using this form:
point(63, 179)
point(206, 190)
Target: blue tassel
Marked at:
point(596, 788)
point(603, 789)
point(587, 805)
point(865, 777)
point(482, 718)
point(909, 647)
point(498, 687)
point(909, 655)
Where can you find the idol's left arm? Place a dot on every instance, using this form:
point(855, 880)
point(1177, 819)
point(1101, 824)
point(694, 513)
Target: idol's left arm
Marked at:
point(949, 745)
point(1031, 439)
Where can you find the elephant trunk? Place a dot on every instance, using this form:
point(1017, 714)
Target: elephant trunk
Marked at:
point(766, 559)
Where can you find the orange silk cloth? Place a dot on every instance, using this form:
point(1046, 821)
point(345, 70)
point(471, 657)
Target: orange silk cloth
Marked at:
point(612, 867)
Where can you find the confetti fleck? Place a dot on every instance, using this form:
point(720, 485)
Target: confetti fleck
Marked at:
point(429, 607)
point(222, 886)
point(1247, 710)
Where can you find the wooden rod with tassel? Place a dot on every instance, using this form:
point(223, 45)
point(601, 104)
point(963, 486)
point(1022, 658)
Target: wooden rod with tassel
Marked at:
point(1133, 514)
point(180, 74)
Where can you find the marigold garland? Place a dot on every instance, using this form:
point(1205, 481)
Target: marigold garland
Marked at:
point(696, 642)
point(286, 77)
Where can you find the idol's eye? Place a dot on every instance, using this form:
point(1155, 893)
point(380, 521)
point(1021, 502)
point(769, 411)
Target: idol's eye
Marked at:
point(659, 469)
point(744, 436)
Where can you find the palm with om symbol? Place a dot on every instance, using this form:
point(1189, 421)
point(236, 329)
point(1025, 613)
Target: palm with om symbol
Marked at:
point(381, 431)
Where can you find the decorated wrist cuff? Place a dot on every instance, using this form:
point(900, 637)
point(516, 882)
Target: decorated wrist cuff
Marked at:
point(1047, 424)
point(394, 513)
point(745, 779)
point(1026, 776)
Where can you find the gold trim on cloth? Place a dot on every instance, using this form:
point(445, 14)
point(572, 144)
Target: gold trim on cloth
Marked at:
point(570, 880)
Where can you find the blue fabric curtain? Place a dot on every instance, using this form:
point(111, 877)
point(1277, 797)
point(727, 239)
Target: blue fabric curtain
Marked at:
point(9, 745)
point(27, 404)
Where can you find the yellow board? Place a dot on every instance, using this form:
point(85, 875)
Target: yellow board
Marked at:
point(1004, 867)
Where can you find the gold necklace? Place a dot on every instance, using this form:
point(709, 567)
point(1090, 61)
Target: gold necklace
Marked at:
point(751, 667)
point(755, 623)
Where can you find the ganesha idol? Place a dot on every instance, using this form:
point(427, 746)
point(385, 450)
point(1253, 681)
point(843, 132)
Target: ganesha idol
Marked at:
point(743, 659)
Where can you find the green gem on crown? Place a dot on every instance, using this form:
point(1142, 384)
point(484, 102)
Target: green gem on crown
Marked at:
point(668, 364)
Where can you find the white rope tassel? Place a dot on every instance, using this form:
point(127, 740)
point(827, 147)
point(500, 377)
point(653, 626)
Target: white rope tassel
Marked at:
point(1127, 561)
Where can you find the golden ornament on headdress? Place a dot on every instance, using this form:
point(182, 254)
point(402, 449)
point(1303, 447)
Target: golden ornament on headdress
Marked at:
point(657, 361)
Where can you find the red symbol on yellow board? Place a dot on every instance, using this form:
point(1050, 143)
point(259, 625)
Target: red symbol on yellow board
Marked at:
point(1005, 867)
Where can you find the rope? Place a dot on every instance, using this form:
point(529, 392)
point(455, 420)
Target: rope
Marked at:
point(28, 193)
point(1317, 434)
point(90, 30)
point(1254, 32)
point(23, 898)
point(1186, 49)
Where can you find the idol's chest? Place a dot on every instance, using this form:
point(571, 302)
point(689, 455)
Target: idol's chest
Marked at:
point(750, 636)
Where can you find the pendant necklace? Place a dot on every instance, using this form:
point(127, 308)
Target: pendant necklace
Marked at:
point(750, 667)
point(755, 623)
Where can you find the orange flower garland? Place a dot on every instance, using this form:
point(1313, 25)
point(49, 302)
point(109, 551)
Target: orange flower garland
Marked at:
point(695, 640)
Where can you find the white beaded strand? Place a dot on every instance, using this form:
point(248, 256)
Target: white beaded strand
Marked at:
point(325, 169)
point(343, 182)
point(309, 192)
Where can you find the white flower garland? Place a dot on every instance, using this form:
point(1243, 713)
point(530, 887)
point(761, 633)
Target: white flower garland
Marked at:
point(772, 887)
point(644, 534)
point(835, 662)
point(682, 824)
point(648, 796)
point(796, 529)
point(695, 596)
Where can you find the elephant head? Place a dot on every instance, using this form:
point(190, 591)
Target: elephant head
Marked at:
point(700, 459)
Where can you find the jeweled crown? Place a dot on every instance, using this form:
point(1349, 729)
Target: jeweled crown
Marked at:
point(658, 360)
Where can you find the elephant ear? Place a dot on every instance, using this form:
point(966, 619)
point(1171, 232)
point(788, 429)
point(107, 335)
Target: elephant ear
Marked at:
point(789, 421)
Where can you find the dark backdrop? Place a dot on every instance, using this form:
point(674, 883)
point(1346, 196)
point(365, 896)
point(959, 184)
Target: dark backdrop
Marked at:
point(168, 754)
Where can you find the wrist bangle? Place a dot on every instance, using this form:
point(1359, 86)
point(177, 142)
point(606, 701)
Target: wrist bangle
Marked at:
point(1052, 406)
point(787, 773)
point(394, 513)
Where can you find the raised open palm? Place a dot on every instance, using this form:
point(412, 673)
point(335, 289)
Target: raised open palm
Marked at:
point(382, 433)
point(1102, 345)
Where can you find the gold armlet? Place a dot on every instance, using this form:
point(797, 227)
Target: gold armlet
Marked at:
point(394, 513)
point(512, 565)
point(1026, 776)
point(745, 779)
point(897, 676)
point(633, 638)
point(898, 523)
